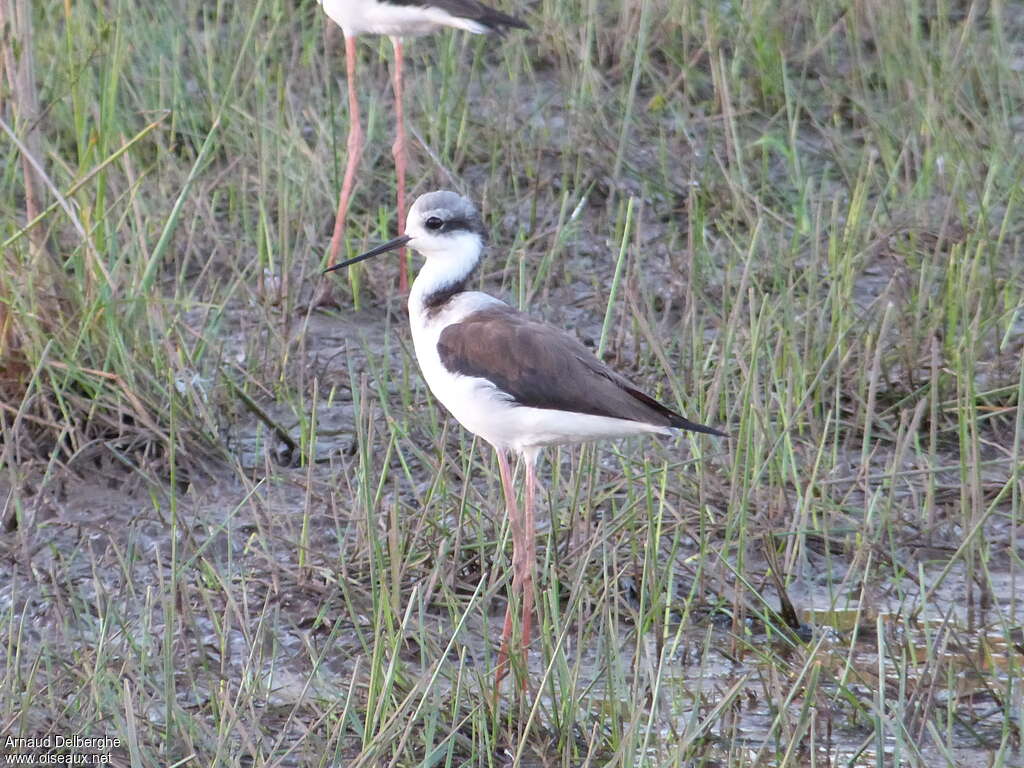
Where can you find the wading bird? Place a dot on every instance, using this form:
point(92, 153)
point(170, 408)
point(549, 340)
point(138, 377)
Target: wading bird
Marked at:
point(517, 383)
point(397, 19)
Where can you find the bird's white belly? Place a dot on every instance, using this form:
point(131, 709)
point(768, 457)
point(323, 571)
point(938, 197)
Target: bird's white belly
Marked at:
point(359, 17)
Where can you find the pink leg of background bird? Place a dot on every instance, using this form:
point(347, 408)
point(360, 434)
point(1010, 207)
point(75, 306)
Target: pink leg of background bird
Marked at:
point(354, 149)
point(398, 152)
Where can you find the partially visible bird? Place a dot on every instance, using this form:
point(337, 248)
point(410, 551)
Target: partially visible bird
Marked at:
point(397, 19)
point(518, 383)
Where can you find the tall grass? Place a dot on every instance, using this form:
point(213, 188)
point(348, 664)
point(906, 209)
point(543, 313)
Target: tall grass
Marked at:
point(238, 531)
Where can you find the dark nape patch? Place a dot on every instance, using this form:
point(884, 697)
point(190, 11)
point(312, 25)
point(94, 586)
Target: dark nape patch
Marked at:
point(435, 301)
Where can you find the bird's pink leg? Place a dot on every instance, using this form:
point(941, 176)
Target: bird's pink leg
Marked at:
point(398, 152)
point(513, 515)
point(354, 150)
point(530, 545)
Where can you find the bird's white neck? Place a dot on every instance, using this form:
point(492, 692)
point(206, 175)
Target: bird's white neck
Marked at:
point(446, 271)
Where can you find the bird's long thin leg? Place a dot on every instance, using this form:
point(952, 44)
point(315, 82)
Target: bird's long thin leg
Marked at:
point(530, 545)
point(398, 152)
point(354, 150)
point(513, 516)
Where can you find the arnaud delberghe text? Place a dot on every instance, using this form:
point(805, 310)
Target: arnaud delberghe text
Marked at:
point(54, 741)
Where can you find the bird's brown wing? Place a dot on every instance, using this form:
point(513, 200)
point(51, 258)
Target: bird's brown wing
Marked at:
point(539, 366)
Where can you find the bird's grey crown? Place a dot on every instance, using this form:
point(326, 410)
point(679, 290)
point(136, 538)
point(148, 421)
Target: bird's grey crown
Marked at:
point(457, 213)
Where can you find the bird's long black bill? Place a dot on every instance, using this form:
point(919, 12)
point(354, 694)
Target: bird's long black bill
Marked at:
point(390, 245)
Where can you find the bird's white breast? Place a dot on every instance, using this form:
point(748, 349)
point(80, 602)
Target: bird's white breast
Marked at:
point(471, 400)
point(359, 17)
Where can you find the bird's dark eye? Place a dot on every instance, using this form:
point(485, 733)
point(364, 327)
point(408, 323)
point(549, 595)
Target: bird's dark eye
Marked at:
point(434, 223)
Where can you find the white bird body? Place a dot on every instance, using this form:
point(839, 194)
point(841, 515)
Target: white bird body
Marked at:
point(480, 406)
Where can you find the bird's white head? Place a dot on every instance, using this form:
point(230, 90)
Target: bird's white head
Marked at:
point(445, 226)
point(446, 229)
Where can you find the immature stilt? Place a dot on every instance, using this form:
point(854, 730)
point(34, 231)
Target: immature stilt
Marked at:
point(509, 379)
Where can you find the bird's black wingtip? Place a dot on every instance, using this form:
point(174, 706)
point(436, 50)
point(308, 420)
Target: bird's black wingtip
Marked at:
point(501, 27)
point(499, 23)
point(691, 426)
